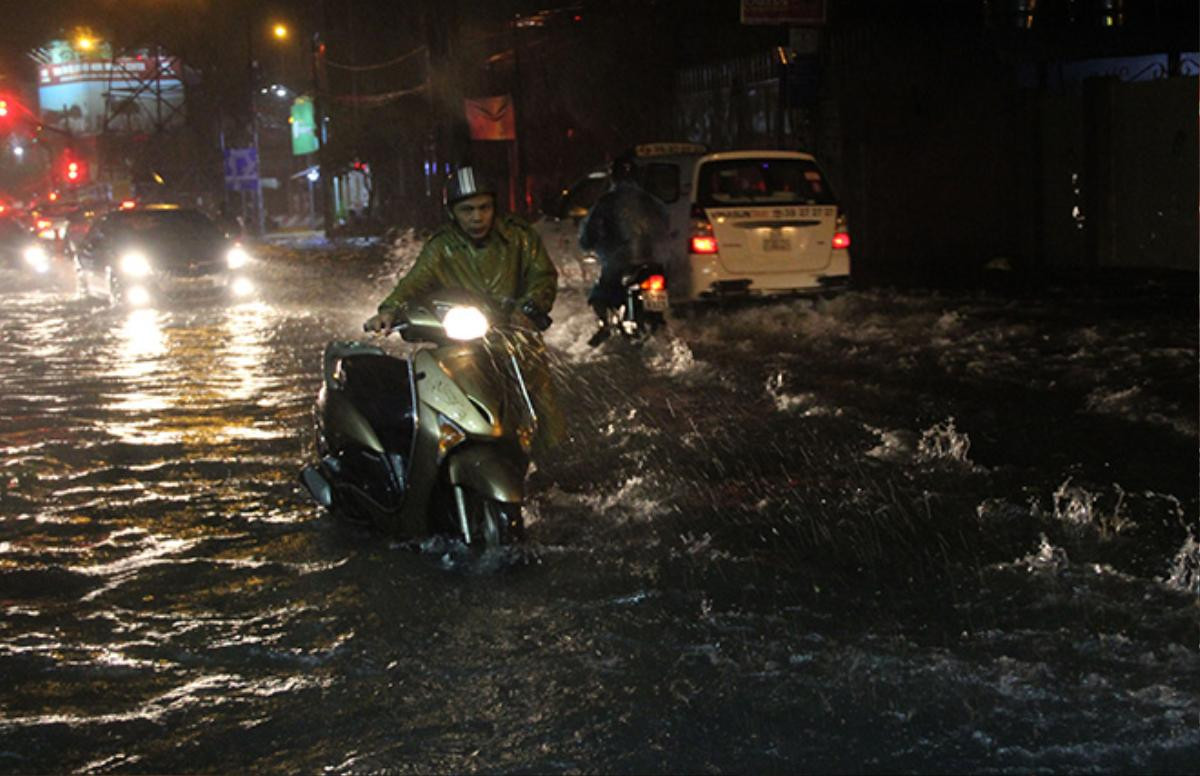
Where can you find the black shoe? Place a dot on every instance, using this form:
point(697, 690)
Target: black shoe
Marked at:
point(600, 336)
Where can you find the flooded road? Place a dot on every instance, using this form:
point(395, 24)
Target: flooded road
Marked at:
point(888, 532)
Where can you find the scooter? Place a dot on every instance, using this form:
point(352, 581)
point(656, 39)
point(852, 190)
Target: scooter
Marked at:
point(644, 306)
point(436, 443)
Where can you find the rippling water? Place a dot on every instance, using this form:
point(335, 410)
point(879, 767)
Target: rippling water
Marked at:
point(892, 532)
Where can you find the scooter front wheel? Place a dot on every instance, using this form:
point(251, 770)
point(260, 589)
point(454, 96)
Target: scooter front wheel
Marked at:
point(500, 524)
point(489, 523)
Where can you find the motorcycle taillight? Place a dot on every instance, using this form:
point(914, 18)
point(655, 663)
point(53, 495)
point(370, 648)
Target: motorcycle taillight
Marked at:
point(654, 283)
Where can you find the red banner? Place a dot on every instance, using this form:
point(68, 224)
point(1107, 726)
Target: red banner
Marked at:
point(491, 118)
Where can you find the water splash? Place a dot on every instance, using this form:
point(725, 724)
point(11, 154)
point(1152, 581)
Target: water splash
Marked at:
point(1184, 573)
point(943, 442)
point(1048, 558)
point(895, 445)
point(699, 547)
point(452, 554)
point(670, 356)
point(1137, 406)
point(636, 495)
point(1076, 506)
point(788, 402)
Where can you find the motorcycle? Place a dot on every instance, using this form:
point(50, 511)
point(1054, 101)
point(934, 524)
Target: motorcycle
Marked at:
point(643, 309)
point(436, 443)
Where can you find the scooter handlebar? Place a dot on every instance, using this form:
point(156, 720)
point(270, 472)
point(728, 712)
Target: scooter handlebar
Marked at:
point(396, 328)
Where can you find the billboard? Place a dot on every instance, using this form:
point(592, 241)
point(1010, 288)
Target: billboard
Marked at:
point(136, 94)
point(304, 127)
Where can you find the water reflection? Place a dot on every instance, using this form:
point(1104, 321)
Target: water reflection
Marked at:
point(246, 355)
point(141, 346)
point(175, 378)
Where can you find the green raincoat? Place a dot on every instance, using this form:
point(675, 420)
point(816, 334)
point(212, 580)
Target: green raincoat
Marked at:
point(509, 268)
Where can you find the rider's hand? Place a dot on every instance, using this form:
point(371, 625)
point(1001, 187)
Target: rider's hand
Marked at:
point(381, 321)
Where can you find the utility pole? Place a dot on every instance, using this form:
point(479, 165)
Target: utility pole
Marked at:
point(259, 216)
point(318, 80)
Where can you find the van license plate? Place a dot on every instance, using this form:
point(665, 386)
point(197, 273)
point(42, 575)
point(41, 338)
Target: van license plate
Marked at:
point(654, 301)
point(773, 244)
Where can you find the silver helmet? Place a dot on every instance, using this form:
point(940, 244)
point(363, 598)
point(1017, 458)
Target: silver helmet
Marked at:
point(463, 183)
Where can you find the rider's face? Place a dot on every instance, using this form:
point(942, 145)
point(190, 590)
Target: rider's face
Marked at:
point(474, 215)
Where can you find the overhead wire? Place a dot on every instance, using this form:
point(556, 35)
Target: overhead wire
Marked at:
point(380, 65)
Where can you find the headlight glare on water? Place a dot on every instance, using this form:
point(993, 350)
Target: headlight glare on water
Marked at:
point(135, 264)
point(138, 296)
point(242, 287)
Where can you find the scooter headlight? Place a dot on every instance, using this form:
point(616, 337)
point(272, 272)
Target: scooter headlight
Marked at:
point(135, 264)
point(36, 257)
point(237, 257)
point(465, 323)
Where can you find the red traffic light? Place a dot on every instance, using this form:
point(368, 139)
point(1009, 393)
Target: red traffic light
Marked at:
point(74, 171)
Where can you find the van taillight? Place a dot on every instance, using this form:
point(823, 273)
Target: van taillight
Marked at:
point(702, 240)
point(654, 283)
point(841, 234)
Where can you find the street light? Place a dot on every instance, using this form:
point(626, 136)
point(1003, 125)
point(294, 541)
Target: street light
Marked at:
point(280, 31)
point(84, 40)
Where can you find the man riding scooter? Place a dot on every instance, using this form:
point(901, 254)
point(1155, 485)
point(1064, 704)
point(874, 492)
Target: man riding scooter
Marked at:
point(502, 259)
point(626, 227)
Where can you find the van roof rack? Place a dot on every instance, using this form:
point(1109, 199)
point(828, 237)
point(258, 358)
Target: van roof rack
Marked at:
point(669, 148)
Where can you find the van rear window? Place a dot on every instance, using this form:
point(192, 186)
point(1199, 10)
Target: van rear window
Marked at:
point(762, 182)
point(662, 180)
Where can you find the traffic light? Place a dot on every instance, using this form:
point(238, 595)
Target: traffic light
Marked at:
point(3, 108)
point(74, 171)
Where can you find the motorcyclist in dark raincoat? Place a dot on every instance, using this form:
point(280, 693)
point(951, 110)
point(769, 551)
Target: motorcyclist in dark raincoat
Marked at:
point(626, 227)
point(501, 258)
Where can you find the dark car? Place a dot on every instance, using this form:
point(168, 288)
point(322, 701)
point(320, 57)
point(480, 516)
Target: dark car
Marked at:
point(152, 254)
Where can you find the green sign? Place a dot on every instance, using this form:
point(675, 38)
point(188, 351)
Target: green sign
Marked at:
point(304, 127)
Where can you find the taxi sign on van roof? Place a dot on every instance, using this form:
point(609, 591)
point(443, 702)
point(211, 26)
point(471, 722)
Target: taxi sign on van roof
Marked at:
point(668, 149)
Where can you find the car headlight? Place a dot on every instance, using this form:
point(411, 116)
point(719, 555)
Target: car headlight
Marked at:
point(35, 256)
point(465, 323)
point(135, 264)
point(237, 257)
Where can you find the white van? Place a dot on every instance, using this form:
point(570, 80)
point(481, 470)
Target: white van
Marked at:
point(743, 223)
point(759, 223)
